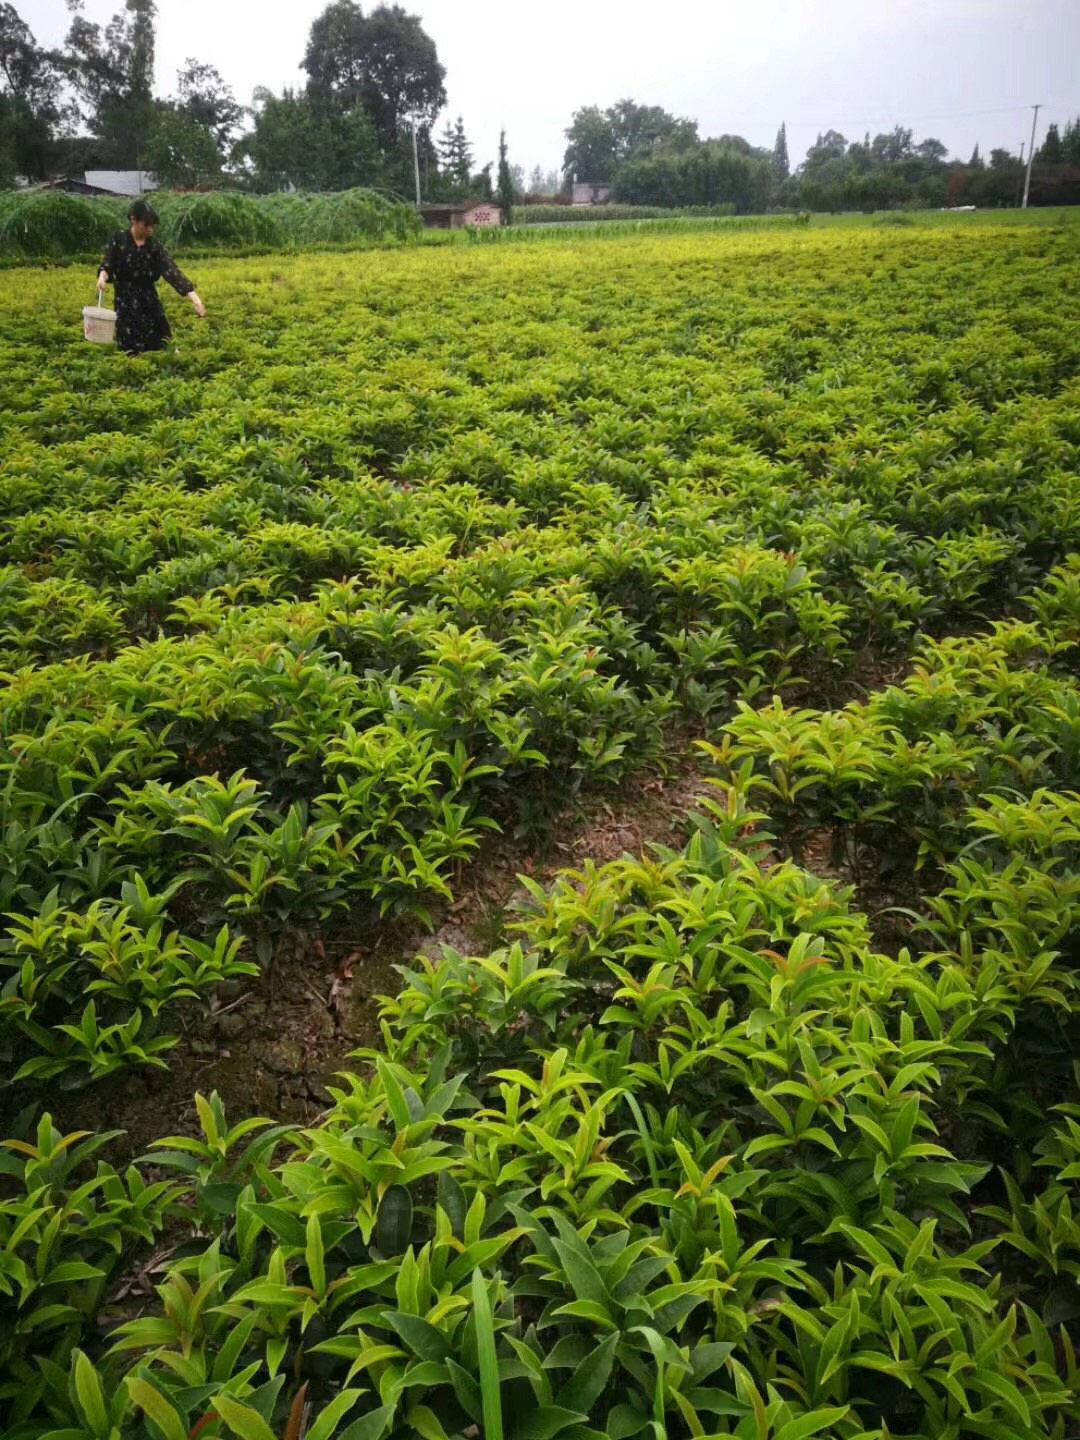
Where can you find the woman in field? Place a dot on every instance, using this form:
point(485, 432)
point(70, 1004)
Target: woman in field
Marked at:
point(134, 262)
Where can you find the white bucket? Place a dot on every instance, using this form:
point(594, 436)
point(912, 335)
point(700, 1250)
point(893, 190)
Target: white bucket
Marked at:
point(98, 323)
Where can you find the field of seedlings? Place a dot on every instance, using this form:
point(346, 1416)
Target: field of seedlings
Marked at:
point(393, 564)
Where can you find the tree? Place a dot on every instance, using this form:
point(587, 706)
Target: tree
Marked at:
point(713, 172)
point(480, 185)
point(1070, 142)
point(456, 155)
point(181, 151)
point(384, 62)
point(204, 96)
point(1002, 159)
point(1051, 152)
point(893, 147)
point(599, 141)
point(636, 129)
point(294, 143)
point(932, 151)
point(976, 161)
point(111, 72)
point(590, 147)
point(780, 162)
point(504, 185)
point(543, 182)
point(830, 146)
point(31, 108)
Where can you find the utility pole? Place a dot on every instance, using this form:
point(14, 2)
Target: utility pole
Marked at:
point(416, 163)
point(1031, 154)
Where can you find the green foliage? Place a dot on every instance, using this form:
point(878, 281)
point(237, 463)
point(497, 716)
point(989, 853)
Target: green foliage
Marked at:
point(504, 183)
point(415, 546)
point(53, 225)
point(592, 214)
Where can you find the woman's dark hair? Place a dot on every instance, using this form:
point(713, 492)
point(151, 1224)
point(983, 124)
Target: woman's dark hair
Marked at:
point(142, 210)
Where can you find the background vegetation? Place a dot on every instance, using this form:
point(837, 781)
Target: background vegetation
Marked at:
point(372, 76)
point(774, 1135)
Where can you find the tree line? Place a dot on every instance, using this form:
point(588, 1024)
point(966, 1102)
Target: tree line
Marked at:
point(375, 85)
point(372, 79)
point(651, 157)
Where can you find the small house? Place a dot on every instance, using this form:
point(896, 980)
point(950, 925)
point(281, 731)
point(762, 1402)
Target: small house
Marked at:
point(582, 193)
point(459, 214)
point(69, 184)
point(121, 184)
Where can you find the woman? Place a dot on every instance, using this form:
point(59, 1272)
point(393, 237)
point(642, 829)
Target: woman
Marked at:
point(135, 262)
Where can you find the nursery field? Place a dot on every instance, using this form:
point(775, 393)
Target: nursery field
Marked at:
point(395, 561)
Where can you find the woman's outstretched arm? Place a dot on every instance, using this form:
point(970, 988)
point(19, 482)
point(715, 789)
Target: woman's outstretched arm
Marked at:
point(171, 272)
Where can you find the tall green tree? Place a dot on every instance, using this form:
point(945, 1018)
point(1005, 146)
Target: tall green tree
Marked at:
point(384, 61)
point(590, 147)
point(780, 162)
point(111, 72)
point(1051, 151)
point(295, 143)
point(181, 151)
point(31, 104)
point(636, 129)
point(714, 172)
point(599, 141)
point(480, 185)
point(976, 161)
point(456, 155)
point(932, 151)
point(204, 95)
point(894, 146)
point(504, 184)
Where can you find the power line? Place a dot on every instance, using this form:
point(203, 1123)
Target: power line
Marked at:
point(918, 119)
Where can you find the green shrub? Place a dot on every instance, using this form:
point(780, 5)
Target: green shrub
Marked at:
point(51, 224)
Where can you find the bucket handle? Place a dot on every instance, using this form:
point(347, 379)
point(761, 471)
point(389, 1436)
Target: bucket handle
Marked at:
point(100, 295)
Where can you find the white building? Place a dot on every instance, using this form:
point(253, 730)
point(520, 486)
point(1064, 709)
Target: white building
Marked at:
point(582, 193)
point(122, 182)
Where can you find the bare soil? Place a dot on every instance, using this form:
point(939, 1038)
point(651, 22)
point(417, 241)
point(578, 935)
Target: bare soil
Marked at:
point(272, 1045)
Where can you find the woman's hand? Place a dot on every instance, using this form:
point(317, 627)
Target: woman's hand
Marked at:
point(200, 308)
point(102, 280)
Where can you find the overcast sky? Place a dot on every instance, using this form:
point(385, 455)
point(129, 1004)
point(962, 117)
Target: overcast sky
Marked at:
point(737, 66)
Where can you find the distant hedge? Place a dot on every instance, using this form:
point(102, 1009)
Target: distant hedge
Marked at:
point(50, 224)
point(564, 214)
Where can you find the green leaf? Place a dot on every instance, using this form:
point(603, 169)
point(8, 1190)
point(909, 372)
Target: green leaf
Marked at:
point(420, 1336)
point(394, 1224)
point(545, 1422)
point(586, 1385)
point(326, 1423)
point(315, 1254)
point(624, 1421)
point(90, 1396)
point(488, 1362)
point(584, 1278)
point(156, 1408)
point(242, 1420)
point(369, 1426)
point(451, 1197)
point(812, 1424)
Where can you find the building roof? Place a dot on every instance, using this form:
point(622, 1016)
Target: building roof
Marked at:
point(74, 184)
point(122, 182)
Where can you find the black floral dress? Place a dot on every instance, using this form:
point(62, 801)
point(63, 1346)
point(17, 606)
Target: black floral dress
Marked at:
point(141, 323)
